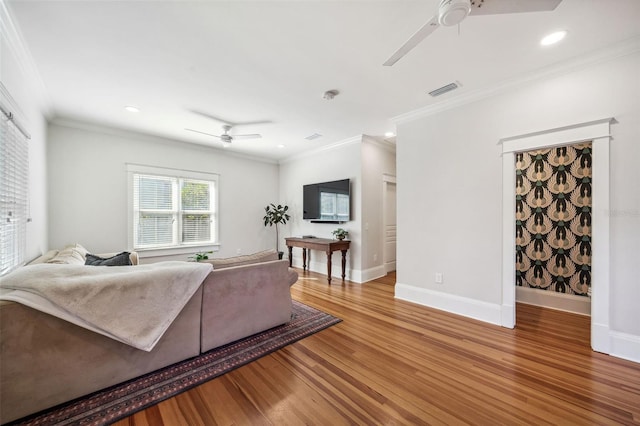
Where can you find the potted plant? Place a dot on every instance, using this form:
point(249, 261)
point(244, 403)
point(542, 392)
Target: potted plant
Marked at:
point(275, 215)
point(203, 255)
point(340, 234)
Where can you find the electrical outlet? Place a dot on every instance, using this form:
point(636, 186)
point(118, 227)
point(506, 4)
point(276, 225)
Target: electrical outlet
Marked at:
point(439, 278)
point(375, 257)
point(239, 251)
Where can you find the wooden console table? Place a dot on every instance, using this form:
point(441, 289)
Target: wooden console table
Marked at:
point(321, 244)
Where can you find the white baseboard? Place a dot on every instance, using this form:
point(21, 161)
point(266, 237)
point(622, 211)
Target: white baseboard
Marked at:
point(483, 311)
point(372, 274)
point(625, 346)
point(550, 299)
point(353, 275)
point(390, 267)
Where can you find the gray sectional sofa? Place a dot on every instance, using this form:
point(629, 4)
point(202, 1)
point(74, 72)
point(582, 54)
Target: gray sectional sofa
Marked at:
point(45, 361)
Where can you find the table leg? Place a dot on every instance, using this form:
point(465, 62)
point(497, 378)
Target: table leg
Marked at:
point(290, 255)
point(329, 267)
point(304, 259)
point(344, 263)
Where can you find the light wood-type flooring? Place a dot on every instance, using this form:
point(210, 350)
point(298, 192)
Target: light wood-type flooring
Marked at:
point(392, 362)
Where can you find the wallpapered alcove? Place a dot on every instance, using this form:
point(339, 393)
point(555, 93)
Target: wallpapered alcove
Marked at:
point(553, 219)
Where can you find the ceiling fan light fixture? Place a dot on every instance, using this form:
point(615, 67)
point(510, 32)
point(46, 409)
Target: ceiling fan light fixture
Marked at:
point(452, 12)
point(553, 38)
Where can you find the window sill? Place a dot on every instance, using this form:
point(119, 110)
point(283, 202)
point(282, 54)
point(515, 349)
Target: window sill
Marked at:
point(173, 251)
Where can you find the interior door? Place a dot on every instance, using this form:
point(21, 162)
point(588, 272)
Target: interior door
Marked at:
point(389, 226)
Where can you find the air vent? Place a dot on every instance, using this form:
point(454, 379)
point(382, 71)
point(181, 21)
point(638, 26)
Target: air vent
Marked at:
point(313, 136)
point(444, 89)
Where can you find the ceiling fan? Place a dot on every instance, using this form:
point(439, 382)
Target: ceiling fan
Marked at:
point(226, 138)
point(452, 12)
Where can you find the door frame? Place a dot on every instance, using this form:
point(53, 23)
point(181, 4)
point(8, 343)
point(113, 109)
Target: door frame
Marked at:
point(598, 132)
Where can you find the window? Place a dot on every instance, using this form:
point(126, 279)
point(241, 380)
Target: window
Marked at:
point(172, 208)
point(14, 189)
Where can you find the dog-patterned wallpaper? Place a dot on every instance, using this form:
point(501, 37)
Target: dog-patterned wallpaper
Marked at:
point(553, 219)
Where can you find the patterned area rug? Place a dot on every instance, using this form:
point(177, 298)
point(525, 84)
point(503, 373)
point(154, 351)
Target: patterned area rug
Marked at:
point(119, 401)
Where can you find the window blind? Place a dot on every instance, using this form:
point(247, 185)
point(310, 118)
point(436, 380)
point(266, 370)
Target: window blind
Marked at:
point(14, 187)
point(173, 211)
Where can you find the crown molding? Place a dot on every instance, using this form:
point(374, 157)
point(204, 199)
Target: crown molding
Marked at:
point(329, 147)
point(10, 30)
point(380, 142)
point(624, 48)
point(132, 134)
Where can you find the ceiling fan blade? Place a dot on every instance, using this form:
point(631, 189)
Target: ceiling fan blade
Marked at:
point(208, 134)
point(230, 123)
point(496, 7)
point(249, 136)
point(413, 41)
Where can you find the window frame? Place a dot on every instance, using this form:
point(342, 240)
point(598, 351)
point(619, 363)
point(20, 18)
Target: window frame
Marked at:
point(177, 247)
point(14, 178)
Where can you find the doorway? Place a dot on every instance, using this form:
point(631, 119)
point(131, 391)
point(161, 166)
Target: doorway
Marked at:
point(389, 230)
point(599, 133)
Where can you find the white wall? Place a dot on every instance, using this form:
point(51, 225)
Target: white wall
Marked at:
point(21, 80)
point(339, 162)
point(378, 159)
point(88, 187)
point(449, 184)
point(364, 160)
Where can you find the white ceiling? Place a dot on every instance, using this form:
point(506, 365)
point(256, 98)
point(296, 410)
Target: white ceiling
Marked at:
point(272, 60)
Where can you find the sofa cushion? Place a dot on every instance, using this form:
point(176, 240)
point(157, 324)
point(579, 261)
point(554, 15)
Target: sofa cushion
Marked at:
point(45, 257)
point(259, 257)
point(120, 259)
point(73, 254)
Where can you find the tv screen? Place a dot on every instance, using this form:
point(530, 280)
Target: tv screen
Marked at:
point(327, 201)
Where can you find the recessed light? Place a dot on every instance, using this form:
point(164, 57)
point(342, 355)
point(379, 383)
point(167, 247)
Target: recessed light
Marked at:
point(389, 135)
point(553, 38)
point(281, 146)
point(131, 108)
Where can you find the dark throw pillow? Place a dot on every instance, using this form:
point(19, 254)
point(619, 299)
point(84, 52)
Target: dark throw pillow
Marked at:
point(120, 259)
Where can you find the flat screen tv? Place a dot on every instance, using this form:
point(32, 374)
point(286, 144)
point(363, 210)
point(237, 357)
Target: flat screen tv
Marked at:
point(327, 201)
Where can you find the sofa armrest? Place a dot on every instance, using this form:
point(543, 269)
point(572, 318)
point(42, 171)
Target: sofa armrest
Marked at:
point(243, 300)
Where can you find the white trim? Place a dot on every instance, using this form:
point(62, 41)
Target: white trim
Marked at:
point(372, 274)
point(625, 346)
point(131, 169)
point(471, 308)
point(356, 276)
point(598, 131)
point(387, 180)
point(580, 305)
point(390, 267)
point(626, 47)
point(148, 137)
point(329, 147)
point(508, 240)
point(557, 137)
point(600, 255)
point(380, 143)
point(20, 50)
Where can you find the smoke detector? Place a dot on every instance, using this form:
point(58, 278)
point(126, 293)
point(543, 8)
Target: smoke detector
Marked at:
point(330, 94)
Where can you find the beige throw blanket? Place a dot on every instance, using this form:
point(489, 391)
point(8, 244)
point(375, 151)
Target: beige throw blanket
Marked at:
point(132, 304)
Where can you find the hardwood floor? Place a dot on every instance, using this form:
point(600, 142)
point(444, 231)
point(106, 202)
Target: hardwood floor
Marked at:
point(394, 362)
